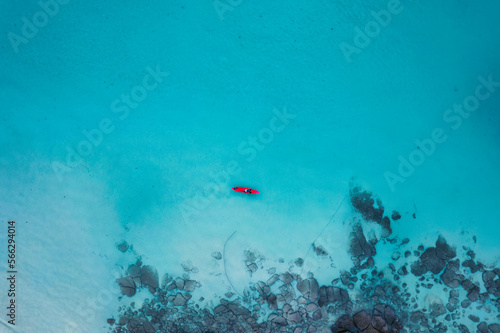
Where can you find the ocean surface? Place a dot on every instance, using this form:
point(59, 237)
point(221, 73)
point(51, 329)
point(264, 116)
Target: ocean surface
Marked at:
point(371, 131)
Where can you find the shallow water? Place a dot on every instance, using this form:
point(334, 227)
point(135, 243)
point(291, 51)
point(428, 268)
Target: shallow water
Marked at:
point(266, 96)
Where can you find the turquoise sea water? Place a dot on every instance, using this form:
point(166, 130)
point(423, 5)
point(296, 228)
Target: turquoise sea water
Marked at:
point(132, 121)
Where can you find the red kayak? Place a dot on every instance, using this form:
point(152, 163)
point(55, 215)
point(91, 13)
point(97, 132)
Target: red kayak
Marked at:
point(245, 190)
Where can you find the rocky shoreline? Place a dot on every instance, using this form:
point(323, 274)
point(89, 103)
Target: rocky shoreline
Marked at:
point(366, 298)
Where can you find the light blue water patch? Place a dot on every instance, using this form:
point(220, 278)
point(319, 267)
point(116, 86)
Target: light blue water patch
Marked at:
point(131, 122)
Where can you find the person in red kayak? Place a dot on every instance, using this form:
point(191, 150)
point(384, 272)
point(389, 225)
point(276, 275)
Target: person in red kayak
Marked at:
point(245, 190)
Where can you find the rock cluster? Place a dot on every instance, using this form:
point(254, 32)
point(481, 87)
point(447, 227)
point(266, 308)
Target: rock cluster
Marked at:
point(382, 318)
point(491, 281)
point(433, 259)
point(298, 305)
point(365, 298)
point(139, 276)
point(252, 261)
point(364, 202)
point(360, 248)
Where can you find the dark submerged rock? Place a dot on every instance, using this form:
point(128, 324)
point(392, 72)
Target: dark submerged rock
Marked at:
point(495, 328)
point(127, 286)
point(386, 227)
point(482, 327)
point(149, 277)
point(359, 247)
point(299, 262)
point(443, 250)
point(434, 259)
point(474, 318)
point(216, 255)
point(309, 288)
point(362, 319)
point(363, 202)
point(450, 277)
point(122, 247)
